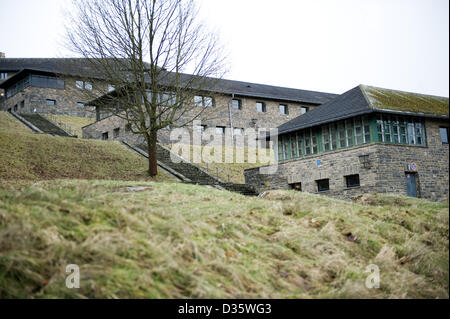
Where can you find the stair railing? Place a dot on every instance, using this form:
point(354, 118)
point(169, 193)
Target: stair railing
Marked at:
point(58, 122)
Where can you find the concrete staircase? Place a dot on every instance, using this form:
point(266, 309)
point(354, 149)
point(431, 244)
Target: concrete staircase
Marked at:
point(44, 125)
point(195, 174)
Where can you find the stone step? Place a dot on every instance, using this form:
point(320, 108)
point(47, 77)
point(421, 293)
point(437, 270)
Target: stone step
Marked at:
point(196, 174)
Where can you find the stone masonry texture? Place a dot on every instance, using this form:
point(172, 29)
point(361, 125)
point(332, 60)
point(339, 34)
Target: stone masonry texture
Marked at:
point(385, 174)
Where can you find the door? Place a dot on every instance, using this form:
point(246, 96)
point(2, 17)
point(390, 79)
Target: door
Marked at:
point(411, 184)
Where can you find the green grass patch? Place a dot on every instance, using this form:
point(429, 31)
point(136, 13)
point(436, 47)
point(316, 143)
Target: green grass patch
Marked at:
point(175, 240)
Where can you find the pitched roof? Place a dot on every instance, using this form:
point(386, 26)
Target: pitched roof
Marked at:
point(82, 67)
point(365, 99)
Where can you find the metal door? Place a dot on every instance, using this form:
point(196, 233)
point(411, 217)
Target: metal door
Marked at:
point(411, 184)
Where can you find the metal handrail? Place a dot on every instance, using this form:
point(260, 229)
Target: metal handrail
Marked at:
point(52, 118)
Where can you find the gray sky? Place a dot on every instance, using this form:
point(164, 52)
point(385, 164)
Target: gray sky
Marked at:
point(323, 45)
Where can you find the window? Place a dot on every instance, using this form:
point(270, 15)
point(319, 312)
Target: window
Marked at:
point(261, 107)
point(323, 185)
point(200, 128)
point(236, 104)
point(203, 101)
point(128, 127)
point(50, 102)
point(444, 134)
point(303, 110)
point(392, 129)
point(15, 108)
point(284, 109)
point(22, 104)
point(342, 135)
point(326, 138)
point(296, 186)
point(238, 131)
point(105, 136)
point(79, 84)
point(116, 132)
point(220, 130)
point(83, 85)
point(3, 76)
point(80, 104)
point(352, 180)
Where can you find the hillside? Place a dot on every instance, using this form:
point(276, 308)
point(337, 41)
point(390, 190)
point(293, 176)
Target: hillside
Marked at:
point(176, 240)
point(28, 156)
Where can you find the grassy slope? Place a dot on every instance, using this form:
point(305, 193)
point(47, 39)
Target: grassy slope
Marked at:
point(74, 122)
point(178, 240)
point(28, 156)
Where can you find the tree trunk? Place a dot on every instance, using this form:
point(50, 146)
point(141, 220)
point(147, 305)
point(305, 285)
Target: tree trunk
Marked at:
point(152, 157)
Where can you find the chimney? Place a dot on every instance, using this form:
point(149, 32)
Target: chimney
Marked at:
point(2, 55)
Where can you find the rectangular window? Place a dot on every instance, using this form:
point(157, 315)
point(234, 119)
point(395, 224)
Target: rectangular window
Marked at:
point(419, 134)
point(15, 108)
point(50, 102)
point(203, 101)
point(380, 128)
point(366, 127)
point(444, 134)
point(83, 85)
point(220, 130)
point(3, 76)
point(403, 136)
point(200, 128)
point(296, 186)
point(333, 137)
point(280, 148)
point(307, 143)
point(22, 104)
point(314, 142)
point(411, 133)
point(323, 185)
point(300, 143)
point(352, 180)
point(349, 131)
point(325, 138)
point(79, 84)
point(236, 104)
point(303, 110)
point(341, 135)
point(116, 132)
point(238, 131)
point(358, 128)
point(105, 136)
point(294, 146)
point(395, 131)
point(284, 109)
point(286, 141)
point(387, 131)
point(260, 107)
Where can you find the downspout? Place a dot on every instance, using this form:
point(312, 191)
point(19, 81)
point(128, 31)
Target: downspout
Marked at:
point(231, 118)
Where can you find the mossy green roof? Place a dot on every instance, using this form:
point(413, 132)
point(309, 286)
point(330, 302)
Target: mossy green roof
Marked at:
point(393, 100)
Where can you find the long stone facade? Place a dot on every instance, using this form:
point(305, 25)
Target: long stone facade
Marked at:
point(385, 170)
point(217, 116)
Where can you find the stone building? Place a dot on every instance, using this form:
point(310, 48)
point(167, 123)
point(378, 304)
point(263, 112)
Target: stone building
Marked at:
point(366, 140)
point(232, 105)
point(53, 85)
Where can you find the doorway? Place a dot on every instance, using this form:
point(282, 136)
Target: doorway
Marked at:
point(411, 184)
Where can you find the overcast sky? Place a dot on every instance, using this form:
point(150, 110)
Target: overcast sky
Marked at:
point(323, 45)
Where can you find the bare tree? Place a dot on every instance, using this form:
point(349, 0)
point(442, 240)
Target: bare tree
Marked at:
point(155, 57)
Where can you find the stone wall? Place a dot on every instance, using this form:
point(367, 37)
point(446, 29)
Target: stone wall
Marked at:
point(385, 174)
point(33, 99)
point(219, 115)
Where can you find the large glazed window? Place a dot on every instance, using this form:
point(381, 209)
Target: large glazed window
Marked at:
point(400, 130)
